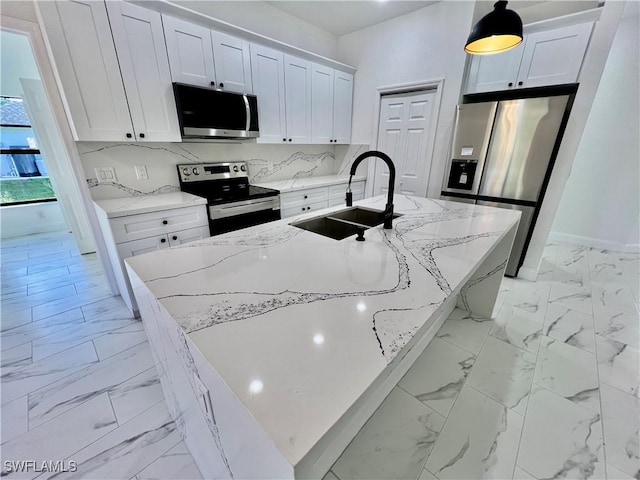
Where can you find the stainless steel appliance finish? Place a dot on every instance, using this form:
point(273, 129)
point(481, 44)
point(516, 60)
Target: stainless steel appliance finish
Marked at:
point(233, 203)
point(515, 141)
point(522, 142)
point(470, 140)
point(521, 234)
point(226, 210)
point(458, 199)
point(209, 114)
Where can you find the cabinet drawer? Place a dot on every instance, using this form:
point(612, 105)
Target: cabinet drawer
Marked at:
point(145, 225)
point(303, 196)
point(144, 245)
point(186, 236)
point(303, 208)
point(341, 199)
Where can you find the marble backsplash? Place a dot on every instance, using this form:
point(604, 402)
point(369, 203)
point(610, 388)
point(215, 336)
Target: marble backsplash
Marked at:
point(266, 163)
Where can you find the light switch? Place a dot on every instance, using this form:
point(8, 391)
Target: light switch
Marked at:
point(105, 174)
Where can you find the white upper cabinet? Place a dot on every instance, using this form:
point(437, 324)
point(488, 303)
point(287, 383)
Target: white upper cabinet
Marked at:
point(322, 104)
point(489, 73)
point(139, 40)
point(554, 57)
point(190, 52)
point(297, 81)
point(550, 57)
point(342, 106)
point(204, 57)
point(267, 68)
point(86, 64)
point(232, 62)
point(332, 100)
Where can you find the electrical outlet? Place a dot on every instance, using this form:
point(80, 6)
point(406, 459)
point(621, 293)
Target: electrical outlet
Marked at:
point(105, 174)
point(141, 172)
point(270, 165)
point(205, 398)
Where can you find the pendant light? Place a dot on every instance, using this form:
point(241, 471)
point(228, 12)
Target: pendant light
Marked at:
point(496, 32)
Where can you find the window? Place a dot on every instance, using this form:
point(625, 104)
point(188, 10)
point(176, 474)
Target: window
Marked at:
point(23, 174)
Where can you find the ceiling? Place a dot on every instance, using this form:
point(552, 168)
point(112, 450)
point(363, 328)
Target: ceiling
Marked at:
point(346, 16)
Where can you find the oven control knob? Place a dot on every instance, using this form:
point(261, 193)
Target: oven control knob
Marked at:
point(235, 168)
point(186, 172)
point(243, 168)
point(195, 171)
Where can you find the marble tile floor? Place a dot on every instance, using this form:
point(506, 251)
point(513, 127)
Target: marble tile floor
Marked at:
point(547, 388)
point(77, 378)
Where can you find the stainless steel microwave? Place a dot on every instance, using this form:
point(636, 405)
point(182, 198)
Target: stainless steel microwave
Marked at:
point(205, 113)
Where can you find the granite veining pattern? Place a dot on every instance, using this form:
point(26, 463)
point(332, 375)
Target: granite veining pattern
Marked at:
point(266, 163)
point(362, 303)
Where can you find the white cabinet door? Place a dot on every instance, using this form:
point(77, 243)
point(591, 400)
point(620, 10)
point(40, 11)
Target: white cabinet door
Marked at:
point(139, 40)
point(297, 81)
point(186, 236)
point(322, 104)
point(342, 106)
point(190, 52)
point(489, 73)
point(233, 64)
point(555, 56)
point(144, 245)
point(267, 68)
point(79, 35)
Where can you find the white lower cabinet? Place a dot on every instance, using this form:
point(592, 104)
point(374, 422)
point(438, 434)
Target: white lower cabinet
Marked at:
point(312, 199)
point(133, 235)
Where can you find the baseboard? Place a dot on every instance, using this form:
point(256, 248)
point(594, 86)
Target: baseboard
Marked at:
point(594, 243)
point(528, 274)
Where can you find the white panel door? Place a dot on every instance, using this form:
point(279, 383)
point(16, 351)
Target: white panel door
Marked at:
point(139, 41)
point(85, 60)
point(267, 68)
point(555, 56)
point(321, 104)
point(297, 85)
point(404, 131)
point(59, 165)
point(489, 73)
point(190, 52)
point(232, 61)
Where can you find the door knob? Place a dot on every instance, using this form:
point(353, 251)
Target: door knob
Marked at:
point(163, 240)
point(175, 237)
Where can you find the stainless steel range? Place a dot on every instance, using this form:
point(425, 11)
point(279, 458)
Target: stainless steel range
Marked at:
point(232, 203)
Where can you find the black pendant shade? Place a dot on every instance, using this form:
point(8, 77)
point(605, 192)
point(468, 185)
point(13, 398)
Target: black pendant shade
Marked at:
point(496, 32)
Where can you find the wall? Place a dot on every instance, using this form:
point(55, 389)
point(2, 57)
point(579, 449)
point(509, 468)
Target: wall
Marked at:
point(20, 220)
point(266, 163)
point(406, 49)
point(590, 75)
point(601, 202)
point(262, 18)
point(17, 62)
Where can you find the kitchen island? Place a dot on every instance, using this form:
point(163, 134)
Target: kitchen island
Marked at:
point(274, 344)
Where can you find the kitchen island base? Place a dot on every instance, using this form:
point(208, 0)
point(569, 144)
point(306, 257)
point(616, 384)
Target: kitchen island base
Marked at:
point(231, 437)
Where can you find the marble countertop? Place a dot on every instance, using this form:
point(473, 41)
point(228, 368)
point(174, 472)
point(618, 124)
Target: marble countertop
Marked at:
point(300, 325)
point(294, 184)
point(123, 207)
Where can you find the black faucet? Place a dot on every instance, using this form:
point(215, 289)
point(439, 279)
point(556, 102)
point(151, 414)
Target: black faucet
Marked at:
point(388, 210)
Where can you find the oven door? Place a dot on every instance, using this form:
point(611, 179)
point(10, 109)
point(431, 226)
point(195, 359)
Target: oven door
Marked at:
point(237, 215)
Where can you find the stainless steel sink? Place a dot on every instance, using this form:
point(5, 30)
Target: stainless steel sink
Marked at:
point(344, 223)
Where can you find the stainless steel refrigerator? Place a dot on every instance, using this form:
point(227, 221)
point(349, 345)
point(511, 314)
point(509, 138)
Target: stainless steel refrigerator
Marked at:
point(502, 155)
